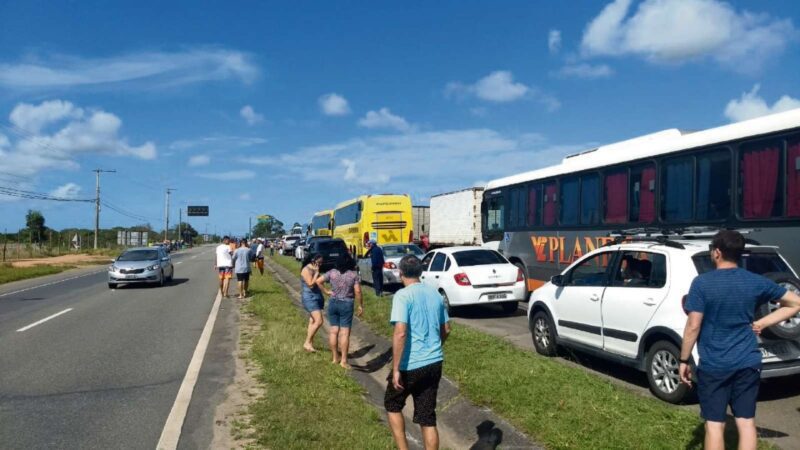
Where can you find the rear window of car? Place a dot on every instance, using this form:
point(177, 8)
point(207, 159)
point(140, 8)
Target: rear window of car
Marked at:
point(402, 250)
point(478, 258)
point(333, 246)
point(756, 262)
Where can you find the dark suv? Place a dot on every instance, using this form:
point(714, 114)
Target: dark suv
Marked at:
point(330, 249)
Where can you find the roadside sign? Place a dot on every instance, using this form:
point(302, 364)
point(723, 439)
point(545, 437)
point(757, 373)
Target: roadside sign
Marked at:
point(197, 210)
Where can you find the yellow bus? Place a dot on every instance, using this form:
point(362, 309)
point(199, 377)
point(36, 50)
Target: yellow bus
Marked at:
point(385, 218)
point(322, 223)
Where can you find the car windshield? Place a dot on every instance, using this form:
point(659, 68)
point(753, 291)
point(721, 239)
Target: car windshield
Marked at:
point(478, 258)
point(293, 238)
point(139, 255)
point(756, 262)
point(394, 251)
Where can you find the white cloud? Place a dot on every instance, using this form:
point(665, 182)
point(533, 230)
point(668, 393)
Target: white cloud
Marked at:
point(383, 118)
point(199, 160)
point(500, 87)
point(4, 141)
point(676, 31)
point(69, 190)
point(33, 118)
point(751, 105)
point(244, 196)
point(333, 104)
point(225, 142)
point(585, 70)
point(250, 115)
point(554, 41)
point(144, 69)
point(231, 175)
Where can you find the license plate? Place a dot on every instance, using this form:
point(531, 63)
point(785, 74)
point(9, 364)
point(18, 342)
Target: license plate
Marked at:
point(774, 349)
point(130, 276)
point(333, 254)
point(496, 296)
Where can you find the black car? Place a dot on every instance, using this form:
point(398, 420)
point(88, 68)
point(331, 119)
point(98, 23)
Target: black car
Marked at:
point(330, 249)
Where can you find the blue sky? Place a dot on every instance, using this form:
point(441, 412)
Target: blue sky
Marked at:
point(287, 108)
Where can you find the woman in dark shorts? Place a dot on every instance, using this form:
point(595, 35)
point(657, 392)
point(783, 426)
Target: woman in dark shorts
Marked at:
point(311, 296)
point(345, 291)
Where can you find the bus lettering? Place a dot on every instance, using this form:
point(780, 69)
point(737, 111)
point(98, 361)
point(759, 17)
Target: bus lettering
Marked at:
point(539, 243)
point(554, 248)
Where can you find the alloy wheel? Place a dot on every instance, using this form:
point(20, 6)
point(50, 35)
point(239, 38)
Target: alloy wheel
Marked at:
point(664, 370)
point(541, 332)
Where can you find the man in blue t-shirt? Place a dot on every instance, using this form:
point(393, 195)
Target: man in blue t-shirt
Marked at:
point(421, 326)
point(721, 306)
point(377, 260)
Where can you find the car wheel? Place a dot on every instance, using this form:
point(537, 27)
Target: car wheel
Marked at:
point(171, 275)
point(544, 334)
point(450, 308)
point(112, 285)
point(662, 372)
point(789, 329)
point(510, 307)
point(161, 279)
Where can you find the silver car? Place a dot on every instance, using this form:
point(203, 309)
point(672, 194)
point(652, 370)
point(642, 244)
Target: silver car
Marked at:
point(392, 254)
point(141, 265)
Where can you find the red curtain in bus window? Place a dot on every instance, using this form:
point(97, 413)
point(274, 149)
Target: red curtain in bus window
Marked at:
point(793, 179)
point(759, 182)
point(647, 196)
point(549, 208)
point(616, 198)
point(533, 205)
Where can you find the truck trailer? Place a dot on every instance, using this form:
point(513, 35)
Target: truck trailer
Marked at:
point(455, 218)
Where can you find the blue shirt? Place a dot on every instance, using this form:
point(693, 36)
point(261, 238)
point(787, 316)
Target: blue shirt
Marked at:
point(376, 256)
point(241, 260)
point(728, 299)
point(423, 310)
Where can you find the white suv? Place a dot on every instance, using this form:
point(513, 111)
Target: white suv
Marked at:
point(624, 302)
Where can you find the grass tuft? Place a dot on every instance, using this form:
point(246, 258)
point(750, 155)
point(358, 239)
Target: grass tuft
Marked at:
point(9, 273)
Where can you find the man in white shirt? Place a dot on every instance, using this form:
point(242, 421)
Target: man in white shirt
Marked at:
point(260, 256)
point(224, 265)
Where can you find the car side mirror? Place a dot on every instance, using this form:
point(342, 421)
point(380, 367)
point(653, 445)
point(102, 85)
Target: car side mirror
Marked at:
point(557, 280)
point(166, 258)
point(113, 260)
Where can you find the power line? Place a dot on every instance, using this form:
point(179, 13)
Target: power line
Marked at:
point(128, 214)
point(19, 193)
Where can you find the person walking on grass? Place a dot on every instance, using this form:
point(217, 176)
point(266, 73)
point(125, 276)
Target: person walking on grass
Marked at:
point(223, 264)
point(260, 256)
point(377, 260)
point(271, 248)
point(421, 326)
point(344, 293)
point(312, 298)
point(241, 265)
point(720, 306)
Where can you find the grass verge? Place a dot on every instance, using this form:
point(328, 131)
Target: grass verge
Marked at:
point(559, 406)
point(9, 273)
point(309, 402)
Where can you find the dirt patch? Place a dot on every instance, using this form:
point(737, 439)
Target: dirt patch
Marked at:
point(64, 260)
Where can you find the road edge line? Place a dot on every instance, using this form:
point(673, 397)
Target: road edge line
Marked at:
point(171, 434)
point(39, 322)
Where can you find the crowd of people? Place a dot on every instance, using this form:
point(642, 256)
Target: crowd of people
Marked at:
point(236, 257)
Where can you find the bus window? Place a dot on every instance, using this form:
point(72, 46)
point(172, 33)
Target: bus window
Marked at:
point(677, 184)
point(534, 204)
point(761, 196)
point(516, 207)
point(615, 196)
point(569, 201)
point(793, 177)
point(643, 194)
point(713, 193)
point(549, 204)
point(495, 213)
point(590, 199)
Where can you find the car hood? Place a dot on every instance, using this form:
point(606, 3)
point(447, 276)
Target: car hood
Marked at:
point(134, 264)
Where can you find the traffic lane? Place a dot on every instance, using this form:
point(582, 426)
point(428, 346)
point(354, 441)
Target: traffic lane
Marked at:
point(106, 374)
point(778, 402)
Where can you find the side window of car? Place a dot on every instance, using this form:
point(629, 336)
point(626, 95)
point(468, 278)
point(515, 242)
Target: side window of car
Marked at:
point(426, 261)
point(438, 263)
point(590, 272)
point(447, 264)
point(641, 269)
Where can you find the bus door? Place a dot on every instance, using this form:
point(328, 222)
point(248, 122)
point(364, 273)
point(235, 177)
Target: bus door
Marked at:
point(388, 228)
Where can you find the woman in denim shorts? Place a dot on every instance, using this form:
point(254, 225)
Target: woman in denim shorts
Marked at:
point(311, 296)
point(345, 290)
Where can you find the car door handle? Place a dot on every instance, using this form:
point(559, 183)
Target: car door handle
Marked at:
point(594, 298)
point(649, 302)
point(437, 277)
point(422, 277)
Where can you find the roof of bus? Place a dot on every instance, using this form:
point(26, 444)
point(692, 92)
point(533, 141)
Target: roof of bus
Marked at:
point(659, 143)
point(323, 212)
point(363, 197)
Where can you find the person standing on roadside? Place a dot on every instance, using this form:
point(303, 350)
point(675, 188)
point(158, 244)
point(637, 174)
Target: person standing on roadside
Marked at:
point(421, 326)
point(312, 298)
point(223, 264)
point(377, 260)
point(260, 256)
point(721, 306)
point(271, 248)
point(241, 265)
point(345, 291)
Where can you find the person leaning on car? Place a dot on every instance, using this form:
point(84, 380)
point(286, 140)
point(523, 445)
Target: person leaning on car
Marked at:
point(720, 306)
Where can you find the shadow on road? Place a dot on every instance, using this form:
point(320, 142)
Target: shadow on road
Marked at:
point(375, 364)
point(483, 312)
point(174, 282)
point(489, 436)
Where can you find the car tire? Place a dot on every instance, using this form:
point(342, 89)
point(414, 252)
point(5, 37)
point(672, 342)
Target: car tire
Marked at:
point(450, 309)
point(661, 366)
point(112, 285)
point(161, 279)
point(509, 307)
point(790, 329)
point(543, 333)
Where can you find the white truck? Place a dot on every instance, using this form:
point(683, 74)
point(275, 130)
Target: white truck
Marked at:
point(456, 218)
point(422, 221)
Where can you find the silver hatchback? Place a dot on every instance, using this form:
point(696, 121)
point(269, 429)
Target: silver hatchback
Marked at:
point(141, 265)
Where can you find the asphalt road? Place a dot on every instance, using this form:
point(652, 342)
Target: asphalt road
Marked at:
point(105, 373)
point(778, 412)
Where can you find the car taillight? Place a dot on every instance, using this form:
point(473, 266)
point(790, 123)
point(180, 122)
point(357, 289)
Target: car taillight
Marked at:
point(366, 238)
point(683, 304)
point(411, 236)
point(520, 275)
point(462, 279)
point(389, 265)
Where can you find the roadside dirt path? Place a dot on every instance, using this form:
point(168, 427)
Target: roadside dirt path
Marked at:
point(63, 260)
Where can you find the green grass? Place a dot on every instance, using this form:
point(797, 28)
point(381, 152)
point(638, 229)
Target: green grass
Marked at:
point(9, 273)
point(557, 405)
point(308, 402)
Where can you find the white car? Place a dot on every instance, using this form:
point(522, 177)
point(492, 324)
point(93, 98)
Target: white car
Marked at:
point(392, 254)
point(624, 302)
point(474, 276)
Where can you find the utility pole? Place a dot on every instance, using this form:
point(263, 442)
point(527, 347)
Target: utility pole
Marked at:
point(166, 213)
point(97, 173)
point(250, 227)
point(180, 222)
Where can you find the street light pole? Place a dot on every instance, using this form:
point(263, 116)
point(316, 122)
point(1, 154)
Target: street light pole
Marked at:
point(97, 202)
point(166, 213)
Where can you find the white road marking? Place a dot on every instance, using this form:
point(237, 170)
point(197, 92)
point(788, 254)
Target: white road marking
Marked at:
point(39, 322)
point(171, 433)
point(51, 283)
point(179, 262)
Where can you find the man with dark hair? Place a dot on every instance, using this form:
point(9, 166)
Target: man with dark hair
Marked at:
point(377, 260)
point(241, 264)
point(421, 326)
point(721, 305)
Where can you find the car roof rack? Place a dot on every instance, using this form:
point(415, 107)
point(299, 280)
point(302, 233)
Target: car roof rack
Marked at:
point(658, 239)
point(663, 235)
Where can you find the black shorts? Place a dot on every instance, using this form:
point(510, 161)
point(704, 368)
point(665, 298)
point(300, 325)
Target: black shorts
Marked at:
point(737, 388)
point(423, 386)
point(243, 276)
